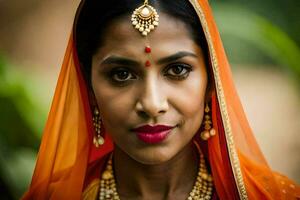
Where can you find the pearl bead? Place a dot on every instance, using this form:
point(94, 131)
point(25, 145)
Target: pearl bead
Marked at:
point(205, 135)
point(151, 27)
point(141, 29)
point(212, 132)
point(145, 12)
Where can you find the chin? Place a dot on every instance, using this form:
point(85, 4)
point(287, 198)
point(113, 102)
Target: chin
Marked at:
point(153, 156)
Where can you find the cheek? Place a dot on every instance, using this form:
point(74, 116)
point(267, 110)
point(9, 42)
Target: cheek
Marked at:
point(192, 108)
point(189, 102)
point(114, 104)
point(189, 99)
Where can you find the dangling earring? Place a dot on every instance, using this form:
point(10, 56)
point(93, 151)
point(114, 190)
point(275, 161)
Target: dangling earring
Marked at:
point(208, 130)
point(98, 139)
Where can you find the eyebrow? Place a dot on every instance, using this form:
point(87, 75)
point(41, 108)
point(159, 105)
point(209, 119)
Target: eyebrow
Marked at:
point(176, 56)
point(119, 60)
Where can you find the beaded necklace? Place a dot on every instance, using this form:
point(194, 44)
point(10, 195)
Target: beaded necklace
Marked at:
point(202, 189)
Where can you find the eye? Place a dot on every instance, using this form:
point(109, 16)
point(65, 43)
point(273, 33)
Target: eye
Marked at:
point(121, 75)
point(178, 70)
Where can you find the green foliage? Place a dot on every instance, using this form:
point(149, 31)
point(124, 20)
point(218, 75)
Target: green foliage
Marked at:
point(250, 36)
point(20, 123)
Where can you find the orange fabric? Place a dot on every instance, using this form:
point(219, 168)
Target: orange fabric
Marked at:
point(67, 156)
point(260, 181)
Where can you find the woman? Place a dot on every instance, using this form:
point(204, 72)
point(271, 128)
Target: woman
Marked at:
point(145, 108)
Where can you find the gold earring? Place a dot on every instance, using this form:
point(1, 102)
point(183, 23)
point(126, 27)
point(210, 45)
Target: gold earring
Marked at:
point(209, 131)
point(98, 139)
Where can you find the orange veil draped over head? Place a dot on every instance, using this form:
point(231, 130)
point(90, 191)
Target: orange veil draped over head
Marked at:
point(67, 153)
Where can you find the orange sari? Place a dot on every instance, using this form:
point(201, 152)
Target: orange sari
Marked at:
point(68, 162)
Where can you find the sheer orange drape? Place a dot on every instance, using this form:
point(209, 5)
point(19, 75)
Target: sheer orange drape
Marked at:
point(66, 144)
point(66, 153)
point(259, 180)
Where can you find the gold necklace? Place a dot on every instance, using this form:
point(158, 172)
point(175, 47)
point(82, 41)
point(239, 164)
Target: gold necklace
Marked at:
point(202, 189)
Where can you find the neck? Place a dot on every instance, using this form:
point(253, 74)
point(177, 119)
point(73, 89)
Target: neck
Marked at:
point(170, 180)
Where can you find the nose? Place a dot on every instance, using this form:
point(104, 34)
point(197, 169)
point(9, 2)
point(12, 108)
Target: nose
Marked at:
point(152, 101)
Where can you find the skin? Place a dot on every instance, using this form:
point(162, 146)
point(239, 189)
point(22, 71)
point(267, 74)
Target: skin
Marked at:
point(165, 93)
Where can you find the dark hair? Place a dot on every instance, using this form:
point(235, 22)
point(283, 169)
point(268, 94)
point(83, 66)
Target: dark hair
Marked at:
point(95, 15)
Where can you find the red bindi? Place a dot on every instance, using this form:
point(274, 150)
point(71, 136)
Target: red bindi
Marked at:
point(148, 63)
point(147, 49)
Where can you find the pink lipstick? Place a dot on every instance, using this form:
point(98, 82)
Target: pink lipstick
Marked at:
point(153, 134)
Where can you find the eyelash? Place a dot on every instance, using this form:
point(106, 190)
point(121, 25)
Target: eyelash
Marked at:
point(115, 72)
point(181, 76)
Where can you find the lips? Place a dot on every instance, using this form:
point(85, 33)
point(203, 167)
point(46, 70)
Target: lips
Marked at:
point(152, 129)
point(152, 134)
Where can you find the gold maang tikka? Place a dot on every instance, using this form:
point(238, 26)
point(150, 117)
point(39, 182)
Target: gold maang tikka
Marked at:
point(145, 18)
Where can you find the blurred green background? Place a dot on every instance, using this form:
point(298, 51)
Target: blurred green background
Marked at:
point(261, 39)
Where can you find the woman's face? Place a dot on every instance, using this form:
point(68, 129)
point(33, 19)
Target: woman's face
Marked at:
point(170, 92)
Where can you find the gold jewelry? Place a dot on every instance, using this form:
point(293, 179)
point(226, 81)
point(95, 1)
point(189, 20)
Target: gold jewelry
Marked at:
point(98, 139)
point(145, 18)
point(208, 130)
point(202, 189)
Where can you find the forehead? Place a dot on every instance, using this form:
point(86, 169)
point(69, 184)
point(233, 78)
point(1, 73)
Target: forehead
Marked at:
point(171, 33)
